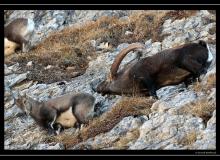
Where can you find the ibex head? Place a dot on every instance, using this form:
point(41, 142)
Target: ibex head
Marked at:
point(25, 103)
point(105, 86)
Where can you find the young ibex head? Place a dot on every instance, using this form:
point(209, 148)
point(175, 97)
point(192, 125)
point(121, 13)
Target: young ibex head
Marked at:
point(25, 103)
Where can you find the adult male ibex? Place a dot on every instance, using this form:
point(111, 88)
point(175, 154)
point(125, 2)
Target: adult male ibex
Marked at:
point(64, 111)
point(17, 34)
point(168, 67)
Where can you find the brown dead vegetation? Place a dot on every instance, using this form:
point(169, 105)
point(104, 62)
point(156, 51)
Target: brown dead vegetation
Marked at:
point(122, 143)
point(202, 108)
point(189, 139)
point(71, 46)
point(210, 83)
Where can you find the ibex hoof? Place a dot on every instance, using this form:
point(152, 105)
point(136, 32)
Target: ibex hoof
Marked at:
point(58, 128)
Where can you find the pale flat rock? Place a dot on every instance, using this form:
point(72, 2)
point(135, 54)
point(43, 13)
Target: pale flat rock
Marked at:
point(165, 129)
point(15, 79)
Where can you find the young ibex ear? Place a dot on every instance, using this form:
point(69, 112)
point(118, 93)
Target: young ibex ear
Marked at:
point(202, 43)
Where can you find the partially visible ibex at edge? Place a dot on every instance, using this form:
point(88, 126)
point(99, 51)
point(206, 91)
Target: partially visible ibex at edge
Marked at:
point(17, 34)
point(168, 67)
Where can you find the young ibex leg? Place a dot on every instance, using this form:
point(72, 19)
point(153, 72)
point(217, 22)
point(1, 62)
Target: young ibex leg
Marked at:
point(49, 115)
point(25, 45)
point(51, 129)
point(77, 125)
point(58, 128)
point(52, 123)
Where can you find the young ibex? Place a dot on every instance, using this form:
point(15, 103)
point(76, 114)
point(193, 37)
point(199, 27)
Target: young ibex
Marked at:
point(168, 67)
point(64, 111)
point(19, 32)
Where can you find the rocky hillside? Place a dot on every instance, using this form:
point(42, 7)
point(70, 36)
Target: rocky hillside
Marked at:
point(182, 118)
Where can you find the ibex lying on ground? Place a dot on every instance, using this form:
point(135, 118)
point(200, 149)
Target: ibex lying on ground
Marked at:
point(19, 32)
point(61, 112)
point(168, 67)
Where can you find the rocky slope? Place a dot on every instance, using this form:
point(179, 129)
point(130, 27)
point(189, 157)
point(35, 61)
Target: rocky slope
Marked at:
point(181, 119)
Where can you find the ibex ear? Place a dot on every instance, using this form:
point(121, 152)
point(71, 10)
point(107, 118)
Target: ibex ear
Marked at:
point(202, 43)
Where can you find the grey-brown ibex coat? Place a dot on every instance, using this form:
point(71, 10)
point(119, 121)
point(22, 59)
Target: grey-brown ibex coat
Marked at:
point(64, 111)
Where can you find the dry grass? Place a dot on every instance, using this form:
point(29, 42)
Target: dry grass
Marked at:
point(212, 30)
point(189, 139)
point(104, 123)
point(210, 83)
point(71, 46)
point(122, 143)
point(202, 108)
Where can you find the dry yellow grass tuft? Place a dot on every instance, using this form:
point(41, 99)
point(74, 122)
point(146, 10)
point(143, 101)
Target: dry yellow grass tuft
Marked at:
point(150, 24)
point(210, 83)
point(202, 108)
point(71, 46)
point(122, 143)
point(189, 139)
point(212, 30)
point(104, 123)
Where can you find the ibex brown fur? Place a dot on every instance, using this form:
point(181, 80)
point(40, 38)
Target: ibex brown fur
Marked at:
point(168, 67)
